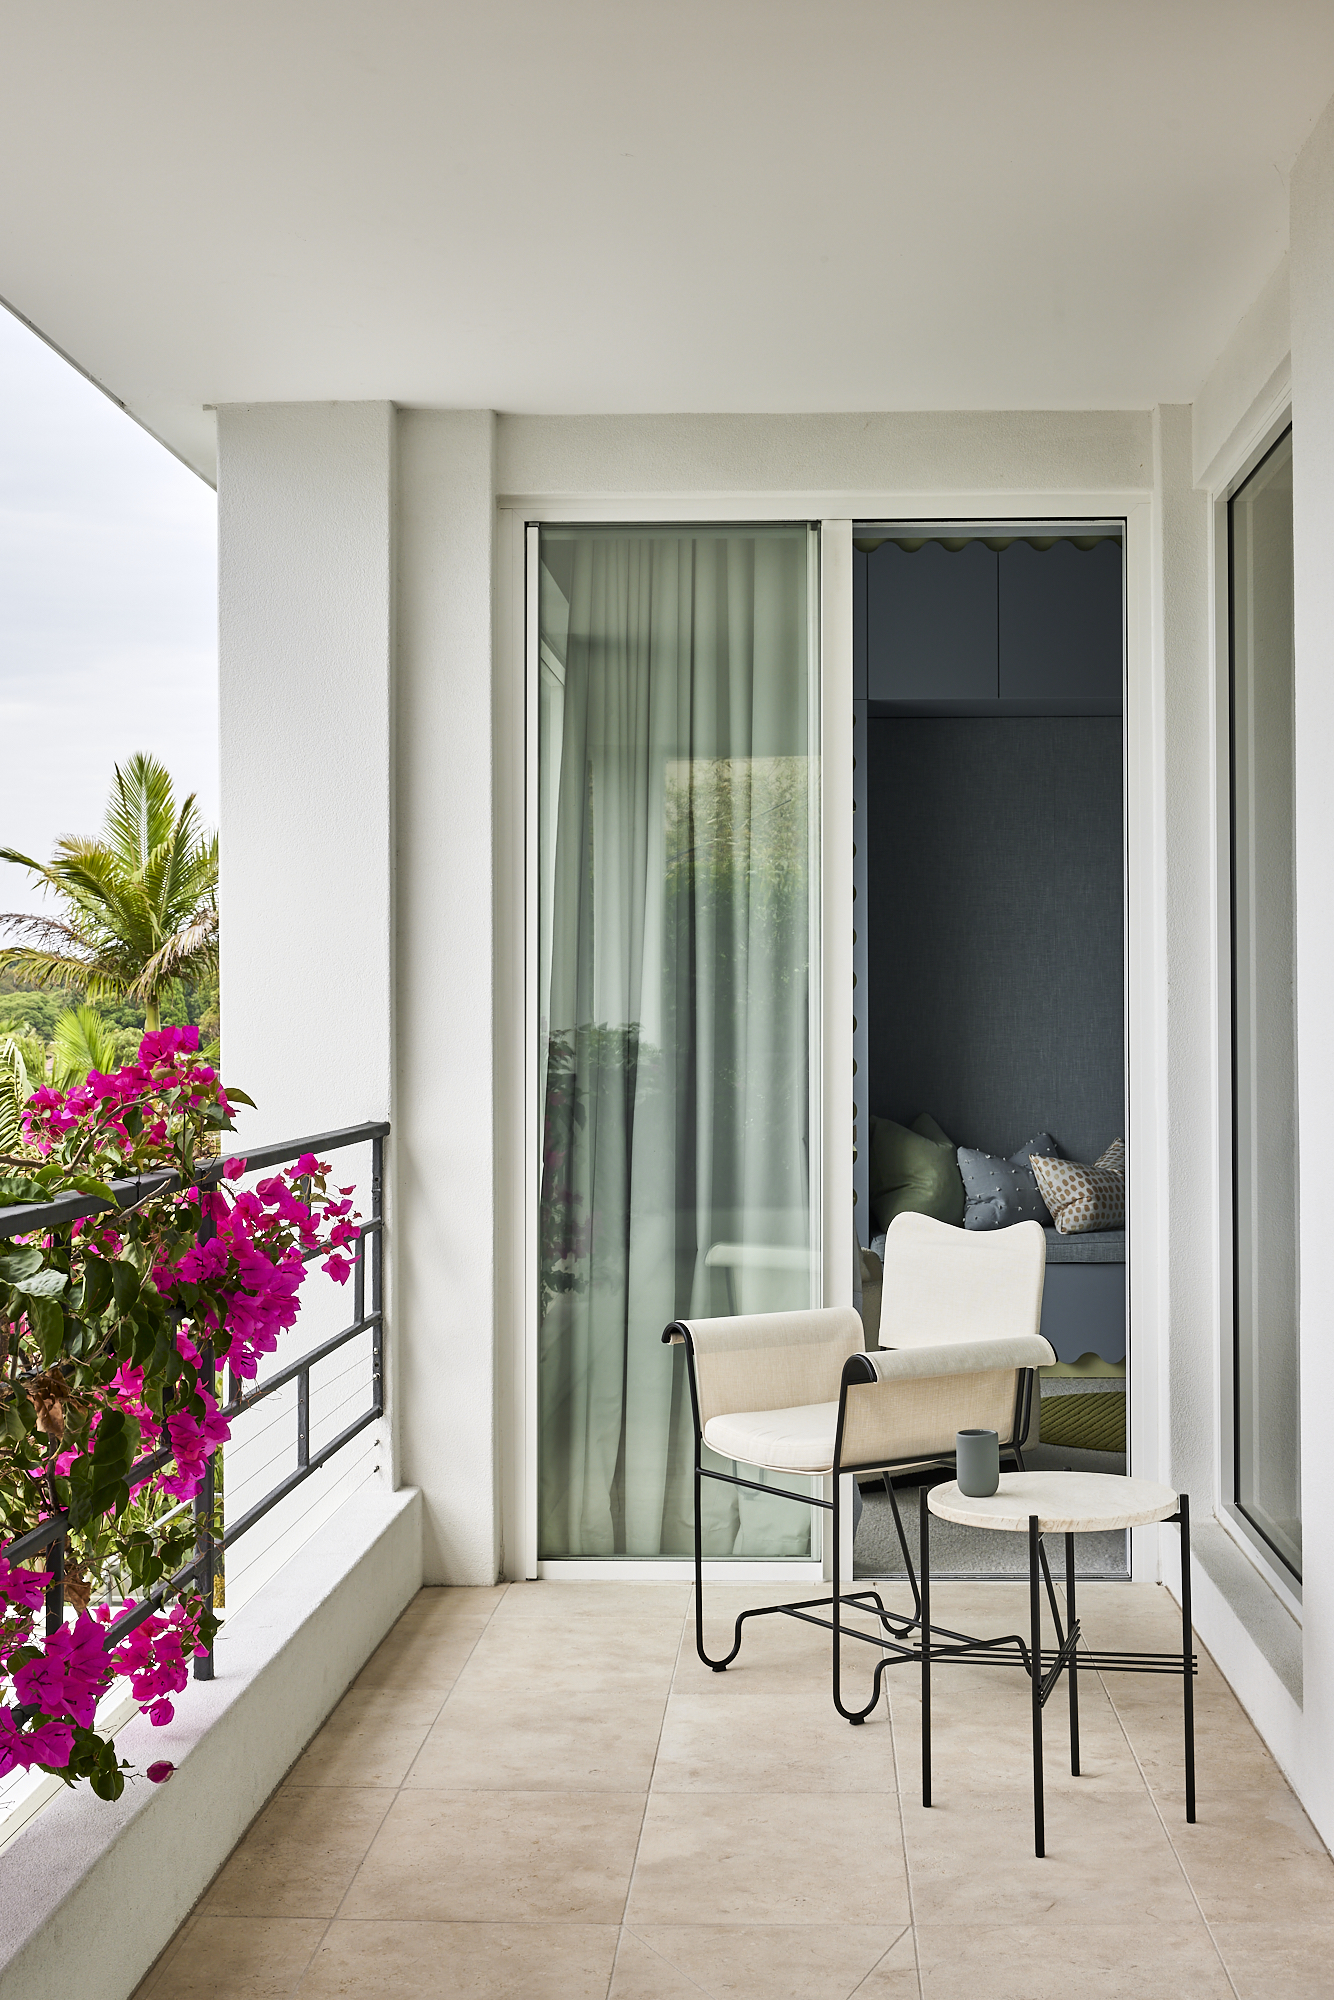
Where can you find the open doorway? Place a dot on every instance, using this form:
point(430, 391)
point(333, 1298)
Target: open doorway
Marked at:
point(989, 951)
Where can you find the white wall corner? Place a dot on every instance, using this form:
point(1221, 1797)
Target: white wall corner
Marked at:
point(1312, 212)
point(446, 1090)
point(1247, 387)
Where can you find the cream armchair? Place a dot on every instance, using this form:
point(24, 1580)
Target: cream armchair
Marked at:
point(796, 1393)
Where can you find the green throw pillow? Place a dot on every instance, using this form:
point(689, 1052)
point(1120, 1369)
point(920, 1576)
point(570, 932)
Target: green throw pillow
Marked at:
point(914, 1173)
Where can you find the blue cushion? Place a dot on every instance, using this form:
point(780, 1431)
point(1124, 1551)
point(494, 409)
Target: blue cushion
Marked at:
point(999, 1192)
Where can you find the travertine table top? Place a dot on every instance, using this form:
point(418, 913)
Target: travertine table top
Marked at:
point(1064, 1502)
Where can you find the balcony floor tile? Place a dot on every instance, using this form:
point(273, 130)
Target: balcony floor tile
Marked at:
point(540, 1791)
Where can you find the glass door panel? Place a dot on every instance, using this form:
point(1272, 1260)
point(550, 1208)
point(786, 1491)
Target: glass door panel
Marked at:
point(1267, 1388)
point(677, 904)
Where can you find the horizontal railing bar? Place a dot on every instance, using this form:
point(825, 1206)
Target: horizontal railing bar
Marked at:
point(29, 1216)
point(295, 1479)
point(38, 1538)
point(321, 1142)
point(295, 1368)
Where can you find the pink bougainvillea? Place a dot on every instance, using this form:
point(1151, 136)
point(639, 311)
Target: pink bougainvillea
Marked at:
point(121, 1326)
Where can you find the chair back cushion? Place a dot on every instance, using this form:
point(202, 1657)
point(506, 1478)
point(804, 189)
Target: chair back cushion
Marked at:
point(771, 1361)
point(944, 1285)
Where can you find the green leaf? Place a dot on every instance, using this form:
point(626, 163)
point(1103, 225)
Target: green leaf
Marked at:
point(48, 1324)
point(17, 1265)
point(100, 1482)
point(237, 1096)
point(97, 1280)
point(13, 1425)
point(125, 1283)
point(90, 1184)
point(48, 1284)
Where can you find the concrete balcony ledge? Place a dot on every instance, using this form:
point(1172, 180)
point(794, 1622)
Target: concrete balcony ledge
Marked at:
point(91, 1893)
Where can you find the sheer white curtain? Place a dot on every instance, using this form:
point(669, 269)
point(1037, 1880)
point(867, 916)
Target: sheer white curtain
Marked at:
point(675, 884)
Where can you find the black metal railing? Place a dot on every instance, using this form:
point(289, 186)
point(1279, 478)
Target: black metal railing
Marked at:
point(201, 1570)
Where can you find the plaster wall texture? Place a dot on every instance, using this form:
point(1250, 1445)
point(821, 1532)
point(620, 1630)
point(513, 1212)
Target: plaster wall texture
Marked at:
point(884, 452)
point(91, 1893)
point(445, 1280)
point(1313, 523)
point(1251, 374)
point(1187, 996)
point(305, 593)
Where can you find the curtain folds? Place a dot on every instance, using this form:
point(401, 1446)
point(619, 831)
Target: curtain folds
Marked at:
point(675, 917)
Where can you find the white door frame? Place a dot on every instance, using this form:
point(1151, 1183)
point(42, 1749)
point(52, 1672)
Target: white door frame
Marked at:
point(516, 779)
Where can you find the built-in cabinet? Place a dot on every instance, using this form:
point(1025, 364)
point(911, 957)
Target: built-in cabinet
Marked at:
point(1015, 622)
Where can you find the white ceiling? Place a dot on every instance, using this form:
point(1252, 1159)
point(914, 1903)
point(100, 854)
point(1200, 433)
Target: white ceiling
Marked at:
point(611, 205)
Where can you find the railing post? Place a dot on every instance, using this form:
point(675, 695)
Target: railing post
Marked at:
point(377, 1277)
point(204, 1543)
point(303, 1418)
point(55, 1595)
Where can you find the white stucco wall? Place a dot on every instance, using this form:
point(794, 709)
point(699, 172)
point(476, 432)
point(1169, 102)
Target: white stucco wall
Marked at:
point(445, 1281)
point(1250, 379)
point(305, 592)
point(1313, 520)
point(854, 456)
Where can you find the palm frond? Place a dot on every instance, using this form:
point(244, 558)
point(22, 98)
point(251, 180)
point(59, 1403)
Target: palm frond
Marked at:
point(141, 810)
point(186, 953)
point(15, 1090)
point(82, 1041)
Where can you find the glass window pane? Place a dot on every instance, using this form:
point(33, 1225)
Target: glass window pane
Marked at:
point(676, 888)
point(1268, 1463)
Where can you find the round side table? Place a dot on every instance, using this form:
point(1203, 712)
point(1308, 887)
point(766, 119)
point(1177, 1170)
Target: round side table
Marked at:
point(1064, 1503)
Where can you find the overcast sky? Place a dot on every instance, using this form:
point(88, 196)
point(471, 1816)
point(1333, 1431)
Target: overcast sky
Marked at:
point(108, 630)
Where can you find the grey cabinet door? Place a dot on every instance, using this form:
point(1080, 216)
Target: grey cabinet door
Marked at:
point(931, 623)
point(1060, 622)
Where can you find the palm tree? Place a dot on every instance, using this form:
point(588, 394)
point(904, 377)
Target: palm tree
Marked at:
point(140, 904)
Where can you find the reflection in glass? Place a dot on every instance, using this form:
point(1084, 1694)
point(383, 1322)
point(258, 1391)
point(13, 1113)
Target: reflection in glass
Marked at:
point(676, 886)
point(1267, 1398)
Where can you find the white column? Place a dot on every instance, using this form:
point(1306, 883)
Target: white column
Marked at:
point(305, 510)
point(446, 1217)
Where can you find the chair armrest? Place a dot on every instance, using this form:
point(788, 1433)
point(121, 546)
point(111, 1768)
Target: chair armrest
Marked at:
point(961, 1357)
point(905, 1405)
point(767, 1361)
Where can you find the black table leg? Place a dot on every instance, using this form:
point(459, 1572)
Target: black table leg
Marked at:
point(1073, 1668)
point(925, 1566)
point(1035, 1675)
point(1187, 1658)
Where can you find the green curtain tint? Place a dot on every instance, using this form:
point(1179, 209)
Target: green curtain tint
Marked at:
point(676, 906)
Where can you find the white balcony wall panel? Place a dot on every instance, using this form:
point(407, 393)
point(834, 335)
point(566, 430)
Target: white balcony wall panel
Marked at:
point(1313, 577)
point(305, 522)
point(445, 1288)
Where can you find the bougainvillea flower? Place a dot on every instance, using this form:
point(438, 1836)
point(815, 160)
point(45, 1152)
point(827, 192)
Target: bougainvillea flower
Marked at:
point(50, 1743)
point(69, 1676)
point(159, 1773)
point(23, 1589)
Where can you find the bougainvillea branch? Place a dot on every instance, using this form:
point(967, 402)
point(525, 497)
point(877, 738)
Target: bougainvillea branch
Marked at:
point(113, 1333)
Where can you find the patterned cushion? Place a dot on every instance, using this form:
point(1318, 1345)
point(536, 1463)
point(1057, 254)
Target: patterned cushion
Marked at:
point(1083, 1198)
point(1000, 1192)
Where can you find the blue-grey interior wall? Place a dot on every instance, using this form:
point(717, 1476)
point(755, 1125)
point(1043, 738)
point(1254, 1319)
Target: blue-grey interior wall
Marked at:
point(994, 927)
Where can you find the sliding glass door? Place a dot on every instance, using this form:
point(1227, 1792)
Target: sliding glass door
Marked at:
point(1264, 1040)
point(677, 884)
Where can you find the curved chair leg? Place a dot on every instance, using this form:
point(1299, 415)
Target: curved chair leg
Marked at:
point(719, 1666)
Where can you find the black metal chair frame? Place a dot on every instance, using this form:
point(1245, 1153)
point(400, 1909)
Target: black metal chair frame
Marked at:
point(895, 1638)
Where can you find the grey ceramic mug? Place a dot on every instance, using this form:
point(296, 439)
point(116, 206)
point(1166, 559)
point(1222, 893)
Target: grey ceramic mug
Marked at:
point(977, 1455)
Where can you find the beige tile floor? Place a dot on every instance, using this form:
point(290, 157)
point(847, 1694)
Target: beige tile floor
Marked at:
point(538, 1793)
